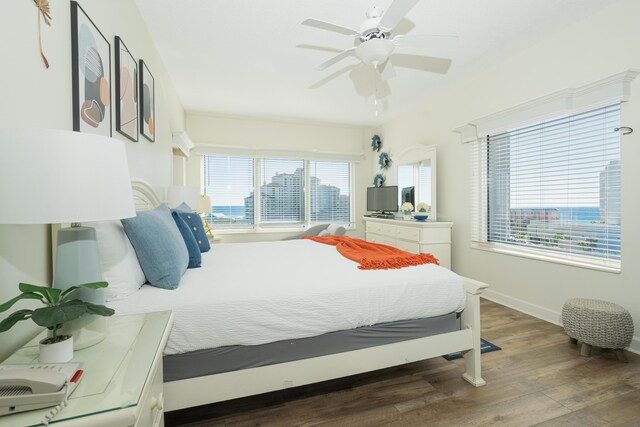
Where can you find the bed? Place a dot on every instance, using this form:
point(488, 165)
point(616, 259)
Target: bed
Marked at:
point(238, 335)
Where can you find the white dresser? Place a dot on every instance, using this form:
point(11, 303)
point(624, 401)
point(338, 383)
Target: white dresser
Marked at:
point(412, 236)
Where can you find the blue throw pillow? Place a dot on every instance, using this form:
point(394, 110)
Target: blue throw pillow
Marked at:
point(194, 222)
point(159, 246)
point(195, 257)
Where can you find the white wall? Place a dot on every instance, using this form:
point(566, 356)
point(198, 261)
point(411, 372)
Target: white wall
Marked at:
point(253, 133)
point(33, 96)
point(599, 46)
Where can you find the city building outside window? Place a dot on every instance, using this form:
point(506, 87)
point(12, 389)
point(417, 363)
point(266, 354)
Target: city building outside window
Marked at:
point(292, 193)
point(552, 189)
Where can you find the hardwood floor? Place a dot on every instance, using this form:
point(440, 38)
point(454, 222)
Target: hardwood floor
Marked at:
point(537, 378)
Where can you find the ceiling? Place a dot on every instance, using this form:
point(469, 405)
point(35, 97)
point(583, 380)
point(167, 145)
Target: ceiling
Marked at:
point(253, 58)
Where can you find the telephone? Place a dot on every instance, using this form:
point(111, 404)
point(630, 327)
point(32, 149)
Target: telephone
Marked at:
point(28, 387)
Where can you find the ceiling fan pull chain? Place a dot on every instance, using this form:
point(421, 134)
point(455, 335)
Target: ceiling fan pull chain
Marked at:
point(375, 89)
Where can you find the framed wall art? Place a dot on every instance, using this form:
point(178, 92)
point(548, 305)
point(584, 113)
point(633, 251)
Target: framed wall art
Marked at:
point(147, 103)
point(126, 91)
point(91, 75)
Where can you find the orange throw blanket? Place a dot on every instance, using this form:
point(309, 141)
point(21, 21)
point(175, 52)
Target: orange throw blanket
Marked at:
point(373, 256)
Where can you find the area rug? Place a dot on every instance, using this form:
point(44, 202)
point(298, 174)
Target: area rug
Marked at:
point(485, 347)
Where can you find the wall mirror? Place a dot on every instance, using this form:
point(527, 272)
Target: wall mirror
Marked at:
point(416, 167)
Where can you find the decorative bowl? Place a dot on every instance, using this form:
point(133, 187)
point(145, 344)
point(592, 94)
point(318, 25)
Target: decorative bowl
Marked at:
point(421, 217)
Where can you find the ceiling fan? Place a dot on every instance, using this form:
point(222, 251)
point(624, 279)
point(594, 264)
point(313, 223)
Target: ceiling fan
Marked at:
point(375, 41)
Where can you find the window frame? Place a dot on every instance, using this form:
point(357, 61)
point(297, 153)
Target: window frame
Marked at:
point(481, 216)
point(258, 226)
point(615, 88)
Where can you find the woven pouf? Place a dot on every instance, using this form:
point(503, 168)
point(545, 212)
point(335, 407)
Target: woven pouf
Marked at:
point(595, 323)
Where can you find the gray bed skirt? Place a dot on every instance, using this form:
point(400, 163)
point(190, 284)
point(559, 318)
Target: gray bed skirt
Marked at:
point(233, 358)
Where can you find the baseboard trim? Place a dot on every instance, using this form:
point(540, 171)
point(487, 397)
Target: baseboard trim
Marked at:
point(540, 312)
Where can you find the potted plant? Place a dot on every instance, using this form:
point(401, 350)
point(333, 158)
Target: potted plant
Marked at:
point(59, 308)
point(423, 209)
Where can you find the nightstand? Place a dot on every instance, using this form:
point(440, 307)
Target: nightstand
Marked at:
point(122, 381)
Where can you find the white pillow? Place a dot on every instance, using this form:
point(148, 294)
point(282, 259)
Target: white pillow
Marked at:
point(118, 261)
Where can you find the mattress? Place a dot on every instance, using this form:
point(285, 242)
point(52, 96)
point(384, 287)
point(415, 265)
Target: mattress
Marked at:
point(262, 292)
point(234, 358)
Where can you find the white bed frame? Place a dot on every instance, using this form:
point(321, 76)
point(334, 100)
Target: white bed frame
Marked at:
point(230, 385)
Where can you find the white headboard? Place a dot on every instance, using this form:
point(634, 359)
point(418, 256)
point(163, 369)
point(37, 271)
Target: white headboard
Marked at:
point(144, 196)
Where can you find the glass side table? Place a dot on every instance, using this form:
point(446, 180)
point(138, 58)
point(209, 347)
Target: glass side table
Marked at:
point(122, 380)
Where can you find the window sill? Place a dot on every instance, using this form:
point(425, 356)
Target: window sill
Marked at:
point(574, 261)
point(264, 230)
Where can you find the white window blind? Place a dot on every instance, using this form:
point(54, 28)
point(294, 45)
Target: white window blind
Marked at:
point(228, 181)
point(552, 188)
point(282, 192)
point(330, 192)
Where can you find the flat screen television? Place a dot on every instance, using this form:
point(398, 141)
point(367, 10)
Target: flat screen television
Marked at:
point(409, 195)
point(382, 199)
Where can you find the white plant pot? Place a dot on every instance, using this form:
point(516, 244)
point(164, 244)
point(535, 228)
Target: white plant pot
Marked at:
point(60, 352)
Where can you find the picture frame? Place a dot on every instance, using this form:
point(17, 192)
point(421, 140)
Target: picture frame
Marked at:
point(147, 102)
point(91, 75)
point(126, 99)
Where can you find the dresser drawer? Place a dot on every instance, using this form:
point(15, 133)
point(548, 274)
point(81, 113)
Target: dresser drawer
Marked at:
point(435, 235)
point(152, 408)
point(408, 233)
point(413, 247)
point(389, 230)
point(374, 227)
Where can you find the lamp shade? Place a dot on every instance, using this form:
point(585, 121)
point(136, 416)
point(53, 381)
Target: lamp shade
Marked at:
point(205, 204)
point(52, 176)
point(177, 194)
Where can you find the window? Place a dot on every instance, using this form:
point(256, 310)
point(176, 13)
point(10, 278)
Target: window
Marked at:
point(282, 184)
point(330, 192)
point(282, 192)
point(228, 181)
point(552, 189)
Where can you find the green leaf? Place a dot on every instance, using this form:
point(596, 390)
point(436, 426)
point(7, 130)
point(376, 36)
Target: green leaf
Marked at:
point(50, 294)
point(14, 318)
point(93, 285)
point(59, 314)
point(100, 310)
point(27, 295)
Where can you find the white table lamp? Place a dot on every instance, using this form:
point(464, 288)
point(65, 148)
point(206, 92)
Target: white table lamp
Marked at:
point(205, 204)
point(52, 176)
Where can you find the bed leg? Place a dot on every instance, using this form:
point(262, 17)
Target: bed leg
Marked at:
point(471, 320)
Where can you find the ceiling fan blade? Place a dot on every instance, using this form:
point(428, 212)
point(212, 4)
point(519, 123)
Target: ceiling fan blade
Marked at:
point(386, 70)
point(333, 75)
point(337, 58)
point(438, 46)
point(393, 15)
point(329, 27)
point(321, 48)
point(422, 63)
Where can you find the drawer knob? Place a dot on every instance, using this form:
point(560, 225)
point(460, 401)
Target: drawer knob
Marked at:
point(158, 402)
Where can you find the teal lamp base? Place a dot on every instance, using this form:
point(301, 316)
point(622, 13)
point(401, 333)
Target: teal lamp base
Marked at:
point(77, 262)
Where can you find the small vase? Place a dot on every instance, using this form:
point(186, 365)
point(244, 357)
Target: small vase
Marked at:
point(60, 352)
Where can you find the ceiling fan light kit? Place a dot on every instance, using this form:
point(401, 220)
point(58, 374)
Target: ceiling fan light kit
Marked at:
point(375, 51)
point(375, 42)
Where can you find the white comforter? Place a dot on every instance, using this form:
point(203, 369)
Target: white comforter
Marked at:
point(255, 293)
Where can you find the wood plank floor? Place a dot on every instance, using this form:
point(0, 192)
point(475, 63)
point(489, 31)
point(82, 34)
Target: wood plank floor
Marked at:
point(537, 378)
